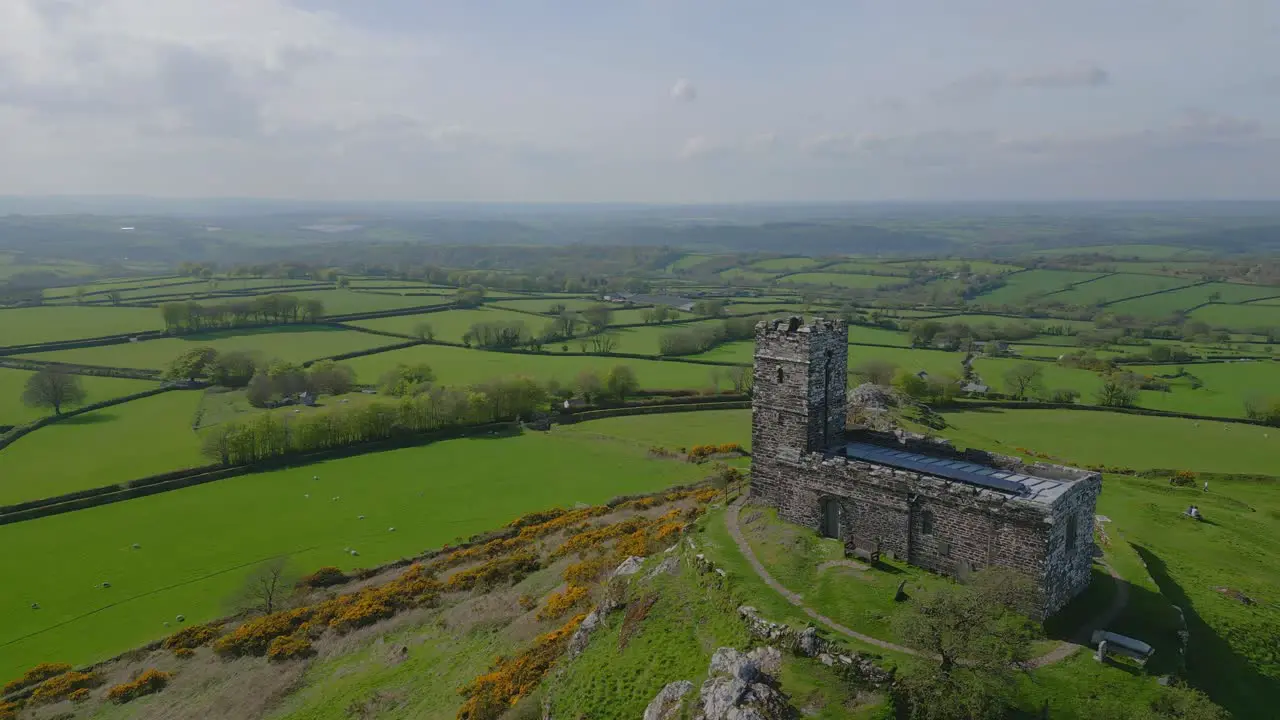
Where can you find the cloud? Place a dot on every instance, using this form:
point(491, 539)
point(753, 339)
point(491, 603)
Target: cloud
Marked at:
point(1084, 76)
point(985, 84)
point(684, 91)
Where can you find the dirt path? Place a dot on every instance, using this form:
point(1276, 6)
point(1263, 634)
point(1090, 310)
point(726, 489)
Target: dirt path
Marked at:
point(1062, 651)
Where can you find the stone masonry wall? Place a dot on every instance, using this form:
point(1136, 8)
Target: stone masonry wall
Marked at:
point(798, 412)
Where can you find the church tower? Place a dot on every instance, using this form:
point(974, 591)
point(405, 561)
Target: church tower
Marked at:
point(798, 396)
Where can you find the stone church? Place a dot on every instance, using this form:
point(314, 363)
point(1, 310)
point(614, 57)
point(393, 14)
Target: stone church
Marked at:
point(911, 498)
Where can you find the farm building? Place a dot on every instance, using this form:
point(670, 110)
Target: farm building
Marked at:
point(915, 499)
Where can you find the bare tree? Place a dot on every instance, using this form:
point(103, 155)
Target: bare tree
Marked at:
point(267, 588)
point(53, 387)
point(604, 343)
point(742, 378)
point(1022, 379)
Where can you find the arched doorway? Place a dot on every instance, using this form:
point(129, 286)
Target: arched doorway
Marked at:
point(829, 526)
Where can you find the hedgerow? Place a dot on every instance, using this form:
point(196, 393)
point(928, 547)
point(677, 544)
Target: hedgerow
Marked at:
point(149, 682)
point(699, 453)
point(61, 686)
point(36, 674)
point(492, 694)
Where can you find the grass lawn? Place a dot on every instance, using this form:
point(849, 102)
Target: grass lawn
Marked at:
point(841, 280)
point(14, 412)
point(197, 544)
point(1115, 287)
point(460, 366)
point(451, 325)
point(1239, 317)
point(1170, 302)
point(293, 344)
point(861, 600)
point(112, 445)
point(1086, 437)
point(24, 326)
point(161, 284)
point(1023, 286)
point(785, 264)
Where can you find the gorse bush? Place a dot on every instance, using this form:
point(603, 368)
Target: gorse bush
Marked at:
point(289, 647)
point(490, 696)
point(585, 572)
point(149, 682)
point(562, 602)
point(192, 637)
point(37, 674)
point(415, 587)
point(503, 570)
point(699, 453)
point(324, 577)
point(61, 686)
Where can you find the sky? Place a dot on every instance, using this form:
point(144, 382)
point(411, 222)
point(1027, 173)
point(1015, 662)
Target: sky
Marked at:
point(642, 100)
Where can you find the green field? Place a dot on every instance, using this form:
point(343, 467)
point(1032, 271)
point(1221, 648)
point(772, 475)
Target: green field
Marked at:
point(935, 362)
point(710, 427)
point(24, 326)
point(752, 277)
point(976, 320)
point(1112, 288)
point(97, 389)
point(868, 266)
point(111, 445)
point(1021, 287)
point(346, 302)
point(689, 262)
point(1143, 252)
point(841, 280)
point(1135, 441)
point(1168, 303)
point(785, 264)
point(877, 336)
point(1225, 387)
point(451, 325)
point(544, 306)
point(161, 284)
point(293, 344)
point(1055, 377)
point(460, 366)
point(983, 267)
point(197, 544)
point(1239, 317)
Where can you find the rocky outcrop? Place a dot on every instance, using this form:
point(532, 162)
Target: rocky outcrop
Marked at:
point(669, 702)
point(738, 689)
point(630, 566)
point(809, 643)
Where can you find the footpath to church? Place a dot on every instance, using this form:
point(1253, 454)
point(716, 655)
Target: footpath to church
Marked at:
point(1063, 650)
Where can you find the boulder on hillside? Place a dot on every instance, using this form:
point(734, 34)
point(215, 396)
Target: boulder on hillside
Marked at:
point(669, 701)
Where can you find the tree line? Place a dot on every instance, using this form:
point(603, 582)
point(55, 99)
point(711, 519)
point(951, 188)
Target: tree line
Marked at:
point(191, 316)
point(420, 406)
point(704, 336)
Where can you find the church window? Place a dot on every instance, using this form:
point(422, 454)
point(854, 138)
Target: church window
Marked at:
point(1071, 531)
point(780, 375)
point(926, 523)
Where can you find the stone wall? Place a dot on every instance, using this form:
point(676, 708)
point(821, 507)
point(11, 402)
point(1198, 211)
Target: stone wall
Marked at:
point(940, 525)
